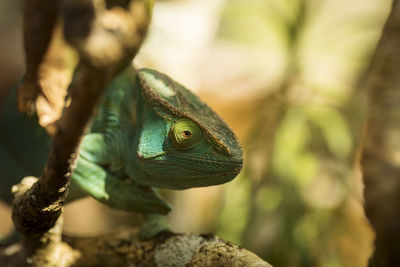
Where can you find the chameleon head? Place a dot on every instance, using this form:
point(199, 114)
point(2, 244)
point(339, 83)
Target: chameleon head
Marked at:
point(181, 143)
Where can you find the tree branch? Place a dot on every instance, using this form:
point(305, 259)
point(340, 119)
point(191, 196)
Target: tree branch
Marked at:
point(125, 249)
point(379, 161)
point(106, 40)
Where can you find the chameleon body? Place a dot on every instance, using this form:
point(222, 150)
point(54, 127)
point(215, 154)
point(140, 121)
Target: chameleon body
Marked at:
point(149, 132)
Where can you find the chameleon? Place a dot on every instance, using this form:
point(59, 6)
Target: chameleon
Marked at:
point(149, 132)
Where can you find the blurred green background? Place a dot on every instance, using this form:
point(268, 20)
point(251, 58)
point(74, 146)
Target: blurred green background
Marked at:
point(282, 73)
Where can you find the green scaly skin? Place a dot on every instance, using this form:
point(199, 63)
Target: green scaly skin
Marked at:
point(149, 132)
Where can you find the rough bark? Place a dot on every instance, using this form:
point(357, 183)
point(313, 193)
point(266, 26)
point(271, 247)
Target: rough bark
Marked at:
point(380, 157)
point(125, 249)
point(122, 30)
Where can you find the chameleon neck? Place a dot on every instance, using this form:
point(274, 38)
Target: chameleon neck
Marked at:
point(116, 119)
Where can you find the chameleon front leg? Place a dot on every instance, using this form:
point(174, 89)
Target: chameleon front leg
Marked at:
point(94, 149)
point(153, 225)
point(123, 194)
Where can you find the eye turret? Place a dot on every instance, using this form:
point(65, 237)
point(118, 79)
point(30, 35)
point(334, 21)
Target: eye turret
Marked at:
point(185, 134)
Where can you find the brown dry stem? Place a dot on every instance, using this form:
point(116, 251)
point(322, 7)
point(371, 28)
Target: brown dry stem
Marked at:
point(37, 210)
point(39, 21)
point(380, 161)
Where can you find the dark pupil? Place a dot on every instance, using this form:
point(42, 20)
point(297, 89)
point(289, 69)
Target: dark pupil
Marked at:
point(186, 134)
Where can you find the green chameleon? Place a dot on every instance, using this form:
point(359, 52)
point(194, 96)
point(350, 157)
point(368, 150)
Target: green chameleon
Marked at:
point(149, 132)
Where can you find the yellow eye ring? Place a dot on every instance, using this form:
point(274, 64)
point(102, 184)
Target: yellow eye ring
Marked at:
point(185, 134)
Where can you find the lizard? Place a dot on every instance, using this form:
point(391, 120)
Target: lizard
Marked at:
point(149, 132)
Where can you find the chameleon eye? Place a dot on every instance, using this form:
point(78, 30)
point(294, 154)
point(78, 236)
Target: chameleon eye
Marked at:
point(185, 134)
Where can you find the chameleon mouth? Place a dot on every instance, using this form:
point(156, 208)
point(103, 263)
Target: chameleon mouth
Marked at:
point(198, 162)
point(189, 172)
point(206, 179)
point(218, 166)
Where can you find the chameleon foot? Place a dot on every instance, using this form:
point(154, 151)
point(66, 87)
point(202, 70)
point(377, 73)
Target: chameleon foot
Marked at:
point(154, 224)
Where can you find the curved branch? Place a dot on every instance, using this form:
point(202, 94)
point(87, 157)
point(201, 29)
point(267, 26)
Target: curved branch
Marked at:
point(36, 211)
point(125, 249)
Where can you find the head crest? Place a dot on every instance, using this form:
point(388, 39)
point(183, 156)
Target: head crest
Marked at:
point(163, 92)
